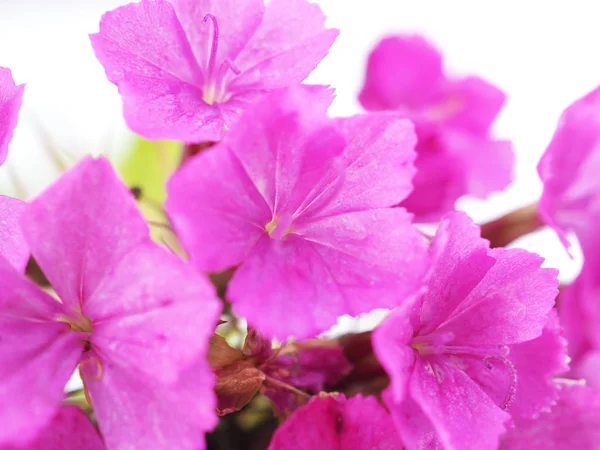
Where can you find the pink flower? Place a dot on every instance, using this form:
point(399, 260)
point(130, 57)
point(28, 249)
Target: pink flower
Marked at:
point(456, 155)
point(569, 170)
point(572, 424)
point(473, 348)
point(13, 247)
point(579, 309)
point(135, 318)
point(302, 204)
point(70, 429)
point(332, 422)
point(11, 96)
point(187, 68)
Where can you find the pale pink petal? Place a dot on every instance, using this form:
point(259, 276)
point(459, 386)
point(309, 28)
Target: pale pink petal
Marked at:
point(569, 171)
point(479, 102)
point(154, 313)
point(403, 72)
point(11, 97)
point(572, 424)
point(37, 356)
point(460, 263)
point(237, 21)
point(510, 305)
point(80, 227)
point(70, 429)
point(12, 243)
point(332, 422)
point(379, 158)
point(135, 412)
point(289, 43)
point(145, 52)
point(460, 413)
point(587, 368)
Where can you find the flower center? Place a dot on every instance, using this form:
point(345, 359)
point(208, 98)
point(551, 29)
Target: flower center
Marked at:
point(279, 227)
point(215, 90)
point(79, 323)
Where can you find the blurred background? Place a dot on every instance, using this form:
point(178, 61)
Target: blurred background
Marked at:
point(543, 55)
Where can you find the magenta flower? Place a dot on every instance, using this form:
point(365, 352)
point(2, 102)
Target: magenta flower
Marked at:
point(579, 309)
point(302, 204)
point(569, 170)
point(572, 424)
point(471, 350)
point(70, 429)
point(332, 422)
point(187, 68)
point(135, 318)
point(456, 155)
point(11, 96)
point(13, 247)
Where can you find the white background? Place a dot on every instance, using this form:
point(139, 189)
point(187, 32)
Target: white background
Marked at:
point(544, 54)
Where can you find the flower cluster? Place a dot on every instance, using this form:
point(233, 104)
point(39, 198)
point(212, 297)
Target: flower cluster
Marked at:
point(289, 219)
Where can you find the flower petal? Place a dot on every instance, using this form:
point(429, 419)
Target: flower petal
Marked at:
point(332, 422)
point(154, 313)
point(11, 97)
point(461, 414)
point(510, 305)
point(12, 243)
point(37, 356)
point(403, 71)
point(145, 52)
point(70, 429)
point(81, 227)
point(460, 263)
point(134, 411)
point(378, 158)
point(289, 43)
point(237, 21)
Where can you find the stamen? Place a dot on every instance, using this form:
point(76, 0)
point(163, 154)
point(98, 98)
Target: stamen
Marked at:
point(215, 44)
point(97, 363)
point(232, 66)
point(510, 395)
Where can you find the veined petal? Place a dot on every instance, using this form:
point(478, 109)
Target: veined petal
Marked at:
point(289, 43)
point(12, 243)
point(70, 429)
point(81, 227)
point(11, 97)
point(154, 313)
point(135, 411)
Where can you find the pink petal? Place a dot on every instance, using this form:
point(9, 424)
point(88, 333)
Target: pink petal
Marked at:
point(452, 406)
point(332, 422)
point(461, 261)
point(289, 43)
point(347, 264)
point(70, 429)
point(510, 304)
point(279, 159)
point(479, 104)
point(145, 52)
point(135, 411)
point(37, 357)
point(237, 21)
point(379, 158)
point(573, 423)
point(80, 227)
point(154, 313)
point(569, 171)
point(537, 363)
point(392, 346)
point(403, 71)
point(11, 96)
point(12, 243)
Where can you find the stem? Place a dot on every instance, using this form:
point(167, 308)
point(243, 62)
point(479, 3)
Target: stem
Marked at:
point(506, 229)
point(288, 387)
